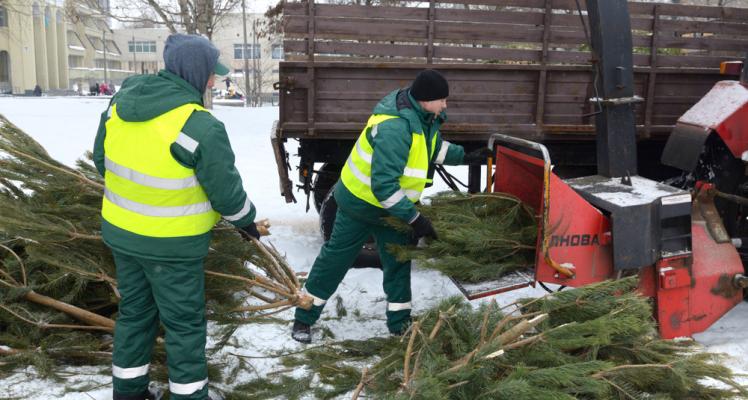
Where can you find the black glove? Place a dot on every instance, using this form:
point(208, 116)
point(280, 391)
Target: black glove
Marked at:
point(422, 228)
point(478, 156)
point(250, 231)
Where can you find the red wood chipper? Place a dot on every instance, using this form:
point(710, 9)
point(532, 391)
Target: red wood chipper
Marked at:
point(676, 238)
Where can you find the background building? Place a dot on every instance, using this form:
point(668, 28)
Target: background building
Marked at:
point(73, 47)
point(263, 52)
point(32, 47)
point(56, 47)
point(93, 55)
point(142, 48)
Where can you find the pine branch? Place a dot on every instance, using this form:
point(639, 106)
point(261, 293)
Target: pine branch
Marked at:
point(95, 320)
point(442, 317)
point(55, 266)
point(277, 304)
point(519, 329)
point(47, 165)
point(44, 325)
point(361, 384)
point(21, 264)
point(408, 352)
point(481, 237)
point(594, 342)
point(602, 374)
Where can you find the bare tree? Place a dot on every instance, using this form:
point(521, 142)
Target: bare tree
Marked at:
point(190, 16)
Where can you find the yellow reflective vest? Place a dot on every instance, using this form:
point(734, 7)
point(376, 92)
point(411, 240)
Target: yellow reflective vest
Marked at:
point(356, 174)
point(147, 192)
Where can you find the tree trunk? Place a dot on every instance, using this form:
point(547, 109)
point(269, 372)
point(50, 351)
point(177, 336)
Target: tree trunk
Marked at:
point(71, 310)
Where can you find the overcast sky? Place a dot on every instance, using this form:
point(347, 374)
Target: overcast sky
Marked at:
point(253, 6)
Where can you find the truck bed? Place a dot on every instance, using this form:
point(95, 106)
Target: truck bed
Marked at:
point(515, 66)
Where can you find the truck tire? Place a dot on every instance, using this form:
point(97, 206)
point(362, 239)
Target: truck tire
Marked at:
point(323, 183)
point(368, 257)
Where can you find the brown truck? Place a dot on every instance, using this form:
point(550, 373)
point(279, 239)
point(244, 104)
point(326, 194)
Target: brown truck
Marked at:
point(518, 67)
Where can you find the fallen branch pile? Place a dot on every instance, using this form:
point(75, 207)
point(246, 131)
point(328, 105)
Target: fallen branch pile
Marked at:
point(597, 342)
point(481, 236)
point(57, 278)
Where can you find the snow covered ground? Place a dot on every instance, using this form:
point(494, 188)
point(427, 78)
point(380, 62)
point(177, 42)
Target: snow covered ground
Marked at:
point(66, 128)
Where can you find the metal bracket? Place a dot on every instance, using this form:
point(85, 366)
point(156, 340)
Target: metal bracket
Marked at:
point(617, 101)
point(287, 83)
point(704, 203)
point(281, 161)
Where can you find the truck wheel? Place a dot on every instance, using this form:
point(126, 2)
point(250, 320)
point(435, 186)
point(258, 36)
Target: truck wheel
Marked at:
point(323, 182)
point(368, 257)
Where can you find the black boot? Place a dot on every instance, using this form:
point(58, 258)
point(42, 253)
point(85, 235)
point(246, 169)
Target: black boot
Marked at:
point(153, 393)
point(120, 396)
point(301, 332)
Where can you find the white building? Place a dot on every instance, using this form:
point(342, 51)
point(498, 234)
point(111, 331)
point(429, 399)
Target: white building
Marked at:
point(143, 48)
point(263, 53)
point(93, 55)
point(32, 46)
point(55, 47)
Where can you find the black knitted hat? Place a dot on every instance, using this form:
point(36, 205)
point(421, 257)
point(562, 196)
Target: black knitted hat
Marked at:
point(429, 85)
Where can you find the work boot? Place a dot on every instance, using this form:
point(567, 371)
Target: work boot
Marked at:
point(301, 332)
point(403, 327)
point(400, 332)
point(120, 396)
point(153, 393)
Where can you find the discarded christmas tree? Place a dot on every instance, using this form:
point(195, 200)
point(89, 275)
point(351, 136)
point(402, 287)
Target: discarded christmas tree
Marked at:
point(597, 342)
point(481, 236)
point(59, 290)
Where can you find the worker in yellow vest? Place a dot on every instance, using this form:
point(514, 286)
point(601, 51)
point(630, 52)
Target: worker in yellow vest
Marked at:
point(385, 174)
point(169, 177)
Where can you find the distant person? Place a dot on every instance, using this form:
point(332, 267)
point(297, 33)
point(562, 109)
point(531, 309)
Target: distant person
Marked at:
point(102, 88)
point(233, 94)
point(37, 90)
point(96, 89)
point(228, 82)
point(75, 88)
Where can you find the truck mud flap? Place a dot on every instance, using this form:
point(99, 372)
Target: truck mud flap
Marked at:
point(281, 160)
point(684, 147)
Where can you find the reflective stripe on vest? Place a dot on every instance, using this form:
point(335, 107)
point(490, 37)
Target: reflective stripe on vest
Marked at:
point(147, 192)
point(356, 174)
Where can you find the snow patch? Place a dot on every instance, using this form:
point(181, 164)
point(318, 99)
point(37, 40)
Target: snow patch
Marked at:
point(66, 127)
point(641, 191)
point(719, 104)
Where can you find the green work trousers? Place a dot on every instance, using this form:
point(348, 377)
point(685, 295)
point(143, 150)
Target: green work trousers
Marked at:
point(336, 257)
point(174, 293)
